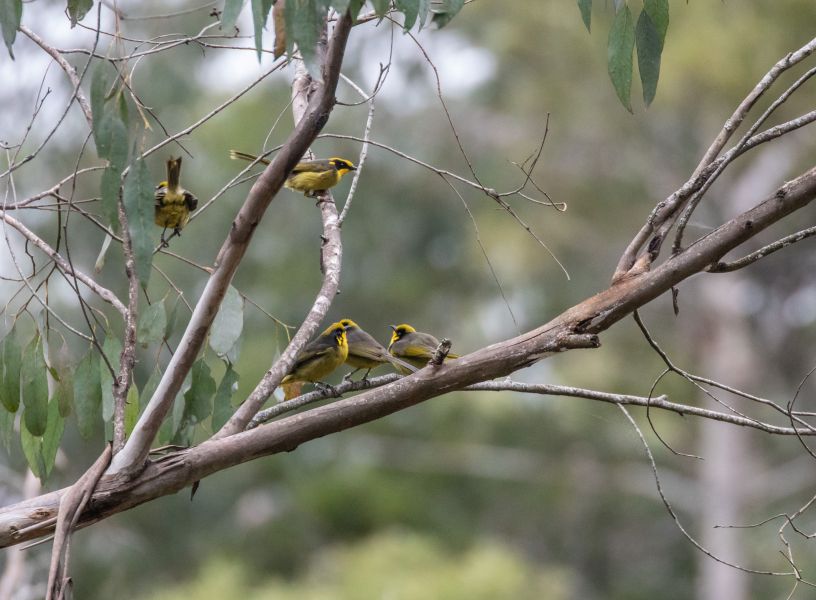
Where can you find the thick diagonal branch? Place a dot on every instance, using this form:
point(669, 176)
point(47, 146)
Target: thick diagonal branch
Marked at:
point(575, 328)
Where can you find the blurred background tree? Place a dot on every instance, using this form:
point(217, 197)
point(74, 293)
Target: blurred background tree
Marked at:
point(472, 495)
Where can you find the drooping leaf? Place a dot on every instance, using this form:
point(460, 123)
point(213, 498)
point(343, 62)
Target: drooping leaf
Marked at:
point(649, 49)
point(232, 8)
point(131, 408)
point(173, 318)
point(6, 428)
point(409, 8)
point(11, 12)
point(111, 138)
point(100, 85)
point(88, 394)
point(304, 20)
point(585, 6)
point(341, 6)
point(112, 349)
point(260, 12)
point(138, 201)
point(61, 360)
point(77, 9)
point(658, 10)
point(152, 324)
point(620, 48)
point(41, 451)
point(381, 6)
point(34, 387)
point(450, 8)
point(228, 323)
point(222, 407)
point(199, 398)
point(10, 362)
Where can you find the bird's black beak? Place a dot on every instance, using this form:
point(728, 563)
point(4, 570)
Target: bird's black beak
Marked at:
point(393, 327)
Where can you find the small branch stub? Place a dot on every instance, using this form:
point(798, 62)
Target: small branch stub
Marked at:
point(441, 352)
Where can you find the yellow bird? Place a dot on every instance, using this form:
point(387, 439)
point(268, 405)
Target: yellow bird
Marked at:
point(318, 358)
point(173, 203)
point(309, 176)
point(413, 346)
point(364, 352)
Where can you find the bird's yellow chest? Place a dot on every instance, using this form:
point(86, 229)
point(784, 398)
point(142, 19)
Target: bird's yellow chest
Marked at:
point(172, 216)
point(310, 181)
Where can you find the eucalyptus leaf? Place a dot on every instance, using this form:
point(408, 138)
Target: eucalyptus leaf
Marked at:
point(112, 348)
point(34, 387)
point(138, 201)
point(222, 405)
point(260, 12)
point(620, 48)
point(229, 16)
point(11, 12)
point(199, 398)
point(152, 324)
point(88, 394)
point(381, 7)
point(585, 6)
point(131, 408)
point(409, 8)
point(10, 363)
point(649, 49)
point(228, 323)
point(77, 9)
point(6, 428)
point(449, 9)
point(100, 86)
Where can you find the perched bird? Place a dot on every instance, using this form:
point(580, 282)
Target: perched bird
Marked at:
point(173, 203)
point(364, 352)
point(309, 176)
point(413, 346)
point(319, 357)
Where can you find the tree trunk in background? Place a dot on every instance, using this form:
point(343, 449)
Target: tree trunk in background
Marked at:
point(725, 356)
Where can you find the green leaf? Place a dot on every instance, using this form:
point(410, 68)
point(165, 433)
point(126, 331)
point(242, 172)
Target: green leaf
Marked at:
point(65, 380)
point(172, 319)
point(151, 384)
point(112, 348)
point(260, 12)
point(649, 49)
point(232, 8)
point(41, 451)
point(138, 201)
point(152, 324)
point(304, 20)
point(381, 7)
point(34, 387)
point(585, 6)
point(88, 394)
point(100, 85)
point(410, 8)
point(6, 428)
point(199, 398)
point(354, 6)
point(10, 362)
point(228, 323)
point(11, 12)
point(619, 55)
point(222, 407)
point(658, 10)
point(77, 9)
point(450, 8)
point(111, 178)
point(111, 138)
point(131, 408)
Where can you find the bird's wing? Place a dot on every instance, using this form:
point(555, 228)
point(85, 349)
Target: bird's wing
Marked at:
point(310, 166)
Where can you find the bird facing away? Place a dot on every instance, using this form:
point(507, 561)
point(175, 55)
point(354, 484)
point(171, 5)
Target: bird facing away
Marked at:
point(364, 352)
point(413, 346)
point(173, 203)
point(318, 358)
point(309, 176)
